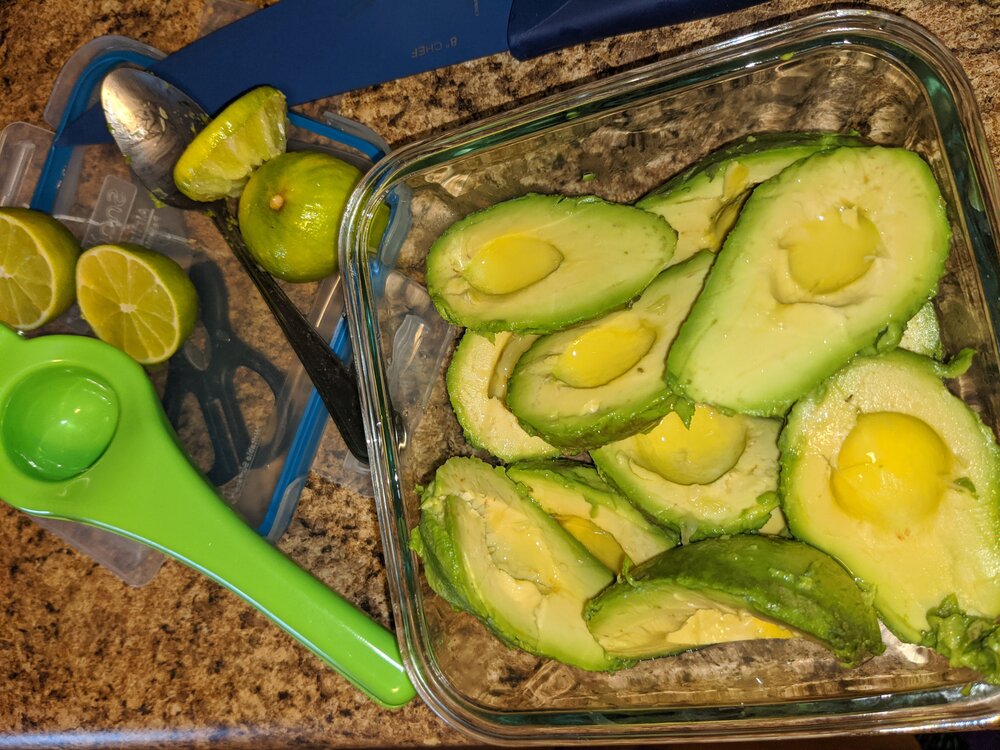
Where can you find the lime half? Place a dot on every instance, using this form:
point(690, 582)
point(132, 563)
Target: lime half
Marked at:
point(37, 258)
point(218, 162)
point(137, 300)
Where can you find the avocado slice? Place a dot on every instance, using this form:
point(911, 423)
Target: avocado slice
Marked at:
point(489, 549)
point(737, 588)
point(886, 470)
point(592, 511)
point(539, 263)
point(702, 202)
point(603, 380)
point(717, 475)
point(824, 256)
point(477, 387)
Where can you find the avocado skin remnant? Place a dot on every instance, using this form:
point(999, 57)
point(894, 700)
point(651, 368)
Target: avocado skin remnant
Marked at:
point(781, 581)
point(489, 549)
point(824, 256)
point(539, 263)
point(889, 472)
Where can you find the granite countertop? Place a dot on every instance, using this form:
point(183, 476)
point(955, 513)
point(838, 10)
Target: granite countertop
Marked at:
point(87, 659)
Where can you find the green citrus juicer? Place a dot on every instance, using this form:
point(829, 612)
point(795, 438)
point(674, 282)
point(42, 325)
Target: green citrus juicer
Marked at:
point(83, 438)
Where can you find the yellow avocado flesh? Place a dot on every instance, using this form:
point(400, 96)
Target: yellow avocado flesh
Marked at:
point(510, 263)
point(831, 251)
point(892, 470)
point(600, 543)
point(511, 348)
point(678, 620)
point(697, 454)
point(602, 354)
point(715, 626)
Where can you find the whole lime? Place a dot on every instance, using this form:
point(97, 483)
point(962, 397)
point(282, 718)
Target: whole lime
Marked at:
point(290, 213)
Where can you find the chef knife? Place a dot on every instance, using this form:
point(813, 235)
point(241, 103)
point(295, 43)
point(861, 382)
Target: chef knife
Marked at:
point(312, 49)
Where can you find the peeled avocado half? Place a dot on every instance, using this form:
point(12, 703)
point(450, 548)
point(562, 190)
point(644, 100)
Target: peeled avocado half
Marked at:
point(489, 549)
point(477, 387)
point(824, 256)
point(539, 263)
point(604, 379)
point(717, 475)
point(596, 514)
point(702, 203)
point(734, 589)
point(886, 470)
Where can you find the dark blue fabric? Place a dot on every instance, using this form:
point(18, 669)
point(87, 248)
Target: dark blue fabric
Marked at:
point(540, 26)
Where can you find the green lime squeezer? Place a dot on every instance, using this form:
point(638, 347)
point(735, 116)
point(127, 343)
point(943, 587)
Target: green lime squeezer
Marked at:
point(83, 438)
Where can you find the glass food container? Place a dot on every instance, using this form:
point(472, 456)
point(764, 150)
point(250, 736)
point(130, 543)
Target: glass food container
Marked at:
point(870, 73)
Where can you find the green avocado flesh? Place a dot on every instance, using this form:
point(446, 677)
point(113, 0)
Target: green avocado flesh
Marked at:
point(824, 256)
point(539, 263)
point(719, 475)
point(477, 387)
point(886, 470)
point(602, 380)
point(733, 589)
point(489, 549)
point(703, 202)
point(592, 511)
point(922, 333)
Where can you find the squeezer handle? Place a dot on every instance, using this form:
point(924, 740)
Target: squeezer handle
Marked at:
point(217, 542)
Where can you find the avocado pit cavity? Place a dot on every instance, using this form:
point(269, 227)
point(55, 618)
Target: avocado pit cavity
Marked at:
point(696, 454)
point(510, 263)
point(834, 249)
point(600, 543)
point(601, 354)
point(892, 470)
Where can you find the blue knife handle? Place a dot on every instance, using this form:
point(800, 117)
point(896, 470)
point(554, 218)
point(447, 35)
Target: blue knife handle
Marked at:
point(539, 26)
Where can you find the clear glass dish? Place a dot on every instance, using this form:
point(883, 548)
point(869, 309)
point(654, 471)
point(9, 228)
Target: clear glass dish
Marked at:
point(846, 71)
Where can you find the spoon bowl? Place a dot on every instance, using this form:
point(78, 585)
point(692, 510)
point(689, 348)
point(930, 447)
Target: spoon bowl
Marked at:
point(152, 122)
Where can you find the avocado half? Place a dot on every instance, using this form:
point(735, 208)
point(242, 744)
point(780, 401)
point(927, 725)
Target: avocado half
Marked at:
point(539, 263)
point(824, 256)
point(604, 379)
point(489, 549)
point(886, 470)
point(733, 589)
point(716, 475)
point(702, 202)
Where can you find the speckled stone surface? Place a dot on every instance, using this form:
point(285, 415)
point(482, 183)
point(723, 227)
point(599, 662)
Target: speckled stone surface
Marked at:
point(86, 660)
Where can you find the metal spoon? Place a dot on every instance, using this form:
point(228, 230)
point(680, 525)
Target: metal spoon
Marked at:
point(152, 122)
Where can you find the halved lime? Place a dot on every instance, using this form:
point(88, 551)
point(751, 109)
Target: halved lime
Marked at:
point(290, 213)
point(137, 300)
point(37, 258)
point(248, 132)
